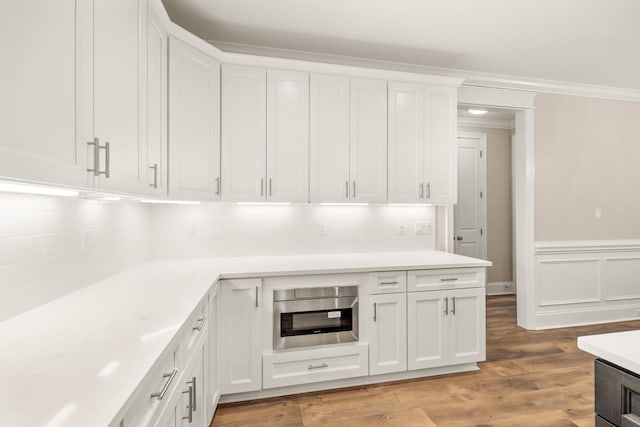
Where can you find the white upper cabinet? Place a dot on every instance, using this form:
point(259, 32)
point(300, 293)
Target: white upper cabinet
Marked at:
point(422, 127)
point(329, 139)
point(244, 128)
point(406, 143)
point(157, 68)
point(287, 136)
point(41, 135)
point(119, 94)
point(194, 124)
point(440, 158)
point(368, 140)
point(348, 160)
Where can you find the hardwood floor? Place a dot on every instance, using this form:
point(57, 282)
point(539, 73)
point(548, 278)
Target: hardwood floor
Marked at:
point(530, 378)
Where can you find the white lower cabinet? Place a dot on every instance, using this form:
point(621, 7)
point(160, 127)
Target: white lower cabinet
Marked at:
point(212, 393)
point(315, 365)
point(388, 333)
point(445, 327)
point(239, 336)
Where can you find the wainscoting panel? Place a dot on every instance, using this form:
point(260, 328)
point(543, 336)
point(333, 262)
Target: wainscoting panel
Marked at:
point(587, 282)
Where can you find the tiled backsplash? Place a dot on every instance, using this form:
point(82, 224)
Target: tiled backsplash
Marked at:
point(234, 230)
point(41, 240)
point(51, 246)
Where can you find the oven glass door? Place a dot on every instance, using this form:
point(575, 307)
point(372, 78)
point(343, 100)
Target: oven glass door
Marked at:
point(316, 322)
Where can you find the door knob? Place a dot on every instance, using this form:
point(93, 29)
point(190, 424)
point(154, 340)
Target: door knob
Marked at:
point(458, 237)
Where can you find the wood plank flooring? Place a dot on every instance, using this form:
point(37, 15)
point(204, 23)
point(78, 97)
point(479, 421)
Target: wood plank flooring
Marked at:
point(530, 378)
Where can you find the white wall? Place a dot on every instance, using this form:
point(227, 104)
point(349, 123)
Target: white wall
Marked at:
point(40, 256)
point(230, 230)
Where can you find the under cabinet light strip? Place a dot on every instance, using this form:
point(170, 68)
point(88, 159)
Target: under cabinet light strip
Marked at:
point(263, 203)
point(169, 202)
point(8, 187)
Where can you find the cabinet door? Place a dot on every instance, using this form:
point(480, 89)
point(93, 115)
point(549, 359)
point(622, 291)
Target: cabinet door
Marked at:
point(244, 116)
point(193, 410)
point(119, 92)
point(406, 143)
point(212, 369)
point(368, 141)
point(329, 139)
point(169, 416)
point(157, 67)
point(194, 124)
point(239, 338)
point(467, 325)
point(440, 153)
point(388, 333)
point(41, 116)
point(426, 329)
point(287, 136)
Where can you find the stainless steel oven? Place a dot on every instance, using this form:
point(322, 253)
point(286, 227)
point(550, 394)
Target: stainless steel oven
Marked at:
point(305, 317)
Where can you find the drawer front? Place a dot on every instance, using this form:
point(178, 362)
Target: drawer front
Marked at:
point(311, 366)
point(617, 395)
point(195, 327)
point(451, 278)
point(158, 388)
point(387, 282)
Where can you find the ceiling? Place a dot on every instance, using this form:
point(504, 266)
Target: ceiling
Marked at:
point(581, 41)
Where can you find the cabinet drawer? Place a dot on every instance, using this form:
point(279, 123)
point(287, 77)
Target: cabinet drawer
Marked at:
point(617, 394)
point(195, 326)
point(387, 282)
point(451, 278)
point(157, 390)
point(315, 365)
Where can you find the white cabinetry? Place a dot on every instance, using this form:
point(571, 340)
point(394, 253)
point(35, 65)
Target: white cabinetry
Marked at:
point(41, 116)
point(445, 327)
point(388, 333)
point(119, 94)
point(244, 127)
point(422, 144)
point(239, 337)
point(212, 393)
point(194, 128)
point(348, 159)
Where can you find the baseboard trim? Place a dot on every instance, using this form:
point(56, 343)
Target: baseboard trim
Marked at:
point(350, 382)
point(586, 316)
point(500, 288)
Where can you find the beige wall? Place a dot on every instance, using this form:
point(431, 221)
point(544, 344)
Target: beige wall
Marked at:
point(587, 156)
point(499, 237)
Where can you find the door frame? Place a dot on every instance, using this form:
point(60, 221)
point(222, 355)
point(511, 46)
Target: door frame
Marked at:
point(482, 142)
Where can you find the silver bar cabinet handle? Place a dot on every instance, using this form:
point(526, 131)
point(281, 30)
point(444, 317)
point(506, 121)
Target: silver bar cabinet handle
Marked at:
point(256, 297)
point(354, 189)
point(395, 282)
point(96, 156)
point(428, 190)
point(261, 187)
point(421, 187)
point(375, 311)
point(446, 306)
point(107, 160)
point(155, 175)
point(346, 191)
point(194, 396)
point(453, 309)
point(199, 324)
point(165, 387)
point(324, 365)
point(450, 279)
point(270, 188)
point(217, 186)
point(190, 406)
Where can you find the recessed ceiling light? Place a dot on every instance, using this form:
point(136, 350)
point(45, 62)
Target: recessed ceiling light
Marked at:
point(477, 111)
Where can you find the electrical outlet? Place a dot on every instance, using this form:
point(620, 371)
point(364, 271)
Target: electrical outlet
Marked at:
point(193, 231)
point(598, 213)
point(402, 229)
point(423, 228)
point(322, 230)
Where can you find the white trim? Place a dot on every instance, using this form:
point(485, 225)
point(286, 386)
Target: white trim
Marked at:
point(481, 138)
point(586, 246)
point(472, 78)
point(486, 123)
point(587, 316)
point(500, 288)
point(349, 382)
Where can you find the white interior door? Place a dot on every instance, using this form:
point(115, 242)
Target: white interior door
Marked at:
point(469, 214)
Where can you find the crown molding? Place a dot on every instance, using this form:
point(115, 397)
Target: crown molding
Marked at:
point(471, 78)
point(486, 123)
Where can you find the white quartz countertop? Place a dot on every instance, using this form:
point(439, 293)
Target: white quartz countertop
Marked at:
point(619, 348)
point(75, 361)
